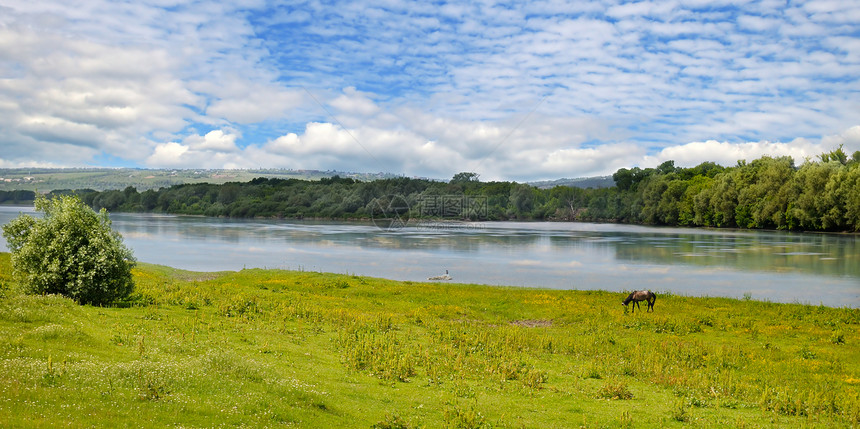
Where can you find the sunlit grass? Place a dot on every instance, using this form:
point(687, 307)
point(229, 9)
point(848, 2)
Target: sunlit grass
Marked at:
point(261, 348)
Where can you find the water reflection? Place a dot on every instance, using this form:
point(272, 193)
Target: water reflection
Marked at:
point(817, 254)
point(814, 268)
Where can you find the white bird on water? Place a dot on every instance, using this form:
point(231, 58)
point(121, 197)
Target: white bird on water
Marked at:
point(442, 277)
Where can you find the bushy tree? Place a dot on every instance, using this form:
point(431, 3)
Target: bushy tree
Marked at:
point(71, 250)
point(465, 177)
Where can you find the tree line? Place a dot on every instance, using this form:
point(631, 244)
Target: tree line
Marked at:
point(17, 197)
point(822, 194)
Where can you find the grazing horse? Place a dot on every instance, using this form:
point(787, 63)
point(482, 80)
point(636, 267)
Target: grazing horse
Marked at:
point(640, 295)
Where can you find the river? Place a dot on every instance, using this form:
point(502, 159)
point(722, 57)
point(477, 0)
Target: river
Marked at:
point(765, 265)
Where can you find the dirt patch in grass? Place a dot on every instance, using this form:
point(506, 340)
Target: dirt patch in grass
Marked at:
point(533, 323)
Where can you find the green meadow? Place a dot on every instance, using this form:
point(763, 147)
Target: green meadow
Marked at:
point(270, 348)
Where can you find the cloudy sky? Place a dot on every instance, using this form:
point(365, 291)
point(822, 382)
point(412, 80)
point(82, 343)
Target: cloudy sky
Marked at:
point(511, 90)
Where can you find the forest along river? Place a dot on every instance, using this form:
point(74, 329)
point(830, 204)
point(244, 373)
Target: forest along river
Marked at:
point(765, 265)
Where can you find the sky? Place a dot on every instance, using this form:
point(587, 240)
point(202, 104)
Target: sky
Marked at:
point(517, 90)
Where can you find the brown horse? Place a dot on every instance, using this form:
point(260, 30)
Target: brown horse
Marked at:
point(640, 295)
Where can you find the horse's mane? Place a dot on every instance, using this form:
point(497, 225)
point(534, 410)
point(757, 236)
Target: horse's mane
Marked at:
point(629, 298)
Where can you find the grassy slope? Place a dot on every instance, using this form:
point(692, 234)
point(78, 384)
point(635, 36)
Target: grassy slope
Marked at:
point(278, 348)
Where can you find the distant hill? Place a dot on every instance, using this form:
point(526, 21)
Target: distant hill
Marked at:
point(582, 182)
point(100, 179)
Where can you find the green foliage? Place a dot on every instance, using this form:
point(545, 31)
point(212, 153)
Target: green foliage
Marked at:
point(70, 251)
point(17, 197)
point(614, 389)
point(836, 155)
point(391, 421)
point(457, 416)
point(681, 412)
point(769, 193)
point(465, 177)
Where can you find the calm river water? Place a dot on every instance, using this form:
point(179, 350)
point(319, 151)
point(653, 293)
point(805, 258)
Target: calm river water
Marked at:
point(779, 266)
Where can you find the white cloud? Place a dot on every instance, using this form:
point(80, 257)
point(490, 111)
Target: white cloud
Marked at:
point(118, 78)
point(726, 153)
point(354, 102)
point(538, 90)
point(9, 164)
point(168, 155)
point(215, 140)
point(212, 150)
point(850, 139)
point(243, 102)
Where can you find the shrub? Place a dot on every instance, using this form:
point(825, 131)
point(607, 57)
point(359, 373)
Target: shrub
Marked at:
point(71, 251)
point(614, 390)
point(457, 417)
point(392, 421)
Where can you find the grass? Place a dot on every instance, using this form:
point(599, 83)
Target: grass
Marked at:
point(267, 348)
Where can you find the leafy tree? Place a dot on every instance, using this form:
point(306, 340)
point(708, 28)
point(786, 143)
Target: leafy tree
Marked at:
point(707, 169)
point(109, 200)
point(522, 199)
point(71, 251)
point(669, 208)
point(811, 203)
point(724, 198)
point(18, 196)
point(691, 211)
point(228, 193)
point(837, 154)
point(851, 191)
point(465, 177)
point(148, 199)
point(623, 179)
point(652, 191)
point(760, 201)
point(666, 167)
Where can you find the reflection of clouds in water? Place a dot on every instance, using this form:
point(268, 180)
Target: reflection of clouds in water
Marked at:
point(538, 266)
point(644, 270)
point(610, 257)
point(139, 235)
point(296, 250)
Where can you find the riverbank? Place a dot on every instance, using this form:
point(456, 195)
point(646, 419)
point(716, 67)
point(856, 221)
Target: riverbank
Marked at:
point(269, 348)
